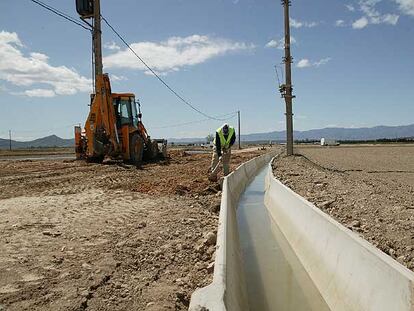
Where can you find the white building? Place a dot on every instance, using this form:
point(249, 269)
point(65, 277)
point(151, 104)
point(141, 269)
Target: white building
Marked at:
point(329, 142)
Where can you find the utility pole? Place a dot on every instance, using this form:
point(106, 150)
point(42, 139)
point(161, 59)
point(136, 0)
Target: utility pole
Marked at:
point(97, 39)
point(238, 118)
point(286, 89)
point(10, 148)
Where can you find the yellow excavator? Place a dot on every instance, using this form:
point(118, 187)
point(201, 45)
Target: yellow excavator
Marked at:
point(114, 127)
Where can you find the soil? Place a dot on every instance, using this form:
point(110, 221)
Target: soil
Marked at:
point(36, 152)
point(369, 189)
point(82, 236)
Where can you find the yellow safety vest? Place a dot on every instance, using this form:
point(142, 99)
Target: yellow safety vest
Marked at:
point(225, 143)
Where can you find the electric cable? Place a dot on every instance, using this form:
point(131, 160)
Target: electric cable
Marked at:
point(193, 122)
point(157, 76)
point(60, 13)
point(71, 19)
point(277, 75)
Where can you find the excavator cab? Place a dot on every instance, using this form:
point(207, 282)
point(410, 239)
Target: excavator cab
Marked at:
point(125, 110)
point(136, 143)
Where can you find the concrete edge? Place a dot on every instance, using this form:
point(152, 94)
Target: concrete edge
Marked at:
point(228, 289)
point(350, 272)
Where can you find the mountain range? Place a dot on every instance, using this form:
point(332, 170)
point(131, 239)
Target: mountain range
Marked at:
point(363, 133)
point(48, 141)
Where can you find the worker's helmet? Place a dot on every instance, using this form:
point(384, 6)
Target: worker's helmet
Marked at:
point(225, 129)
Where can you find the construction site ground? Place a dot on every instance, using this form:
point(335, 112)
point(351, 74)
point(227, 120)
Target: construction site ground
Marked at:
point(83, 236)
point(369, 189)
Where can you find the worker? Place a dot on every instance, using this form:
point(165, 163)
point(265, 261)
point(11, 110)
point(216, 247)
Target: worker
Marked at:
point(224, 140)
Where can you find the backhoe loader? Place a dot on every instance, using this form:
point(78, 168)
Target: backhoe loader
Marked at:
point(114, 126)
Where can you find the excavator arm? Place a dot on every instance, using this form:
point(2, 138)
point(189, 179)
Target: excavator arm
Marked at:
point(100, 127)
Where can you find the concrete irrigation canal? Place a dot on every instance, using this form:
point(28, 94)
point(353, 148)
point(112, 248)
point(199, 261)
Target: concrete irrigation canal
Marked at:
point(269, 262)
point(277, 251)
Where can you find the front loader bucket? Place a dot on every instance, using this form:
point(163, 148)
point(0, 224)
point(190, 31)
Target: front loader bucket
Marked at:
point(162, 147)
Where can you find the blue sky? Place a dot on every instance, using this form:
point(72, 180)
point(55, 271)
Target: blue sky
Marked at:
point(353, 64)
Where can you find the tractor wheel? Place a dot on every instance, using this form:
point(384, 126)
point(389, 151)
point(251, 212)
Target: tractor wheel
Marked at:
point(155, 150)
point(136, 149)
point(96, 159)
point(152, 151)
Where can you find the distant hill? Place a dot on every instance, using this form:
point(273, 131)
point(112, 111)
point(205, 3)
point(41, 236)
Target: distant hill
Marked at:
point(48, 141)
point(364, 133)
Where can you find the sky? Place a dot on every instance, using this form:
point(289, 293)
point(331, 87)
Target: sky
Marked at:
point(353, 64)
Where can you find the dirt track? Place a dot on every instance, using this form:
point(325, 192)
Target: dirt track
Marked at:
point(368, 189)
point(78, 236)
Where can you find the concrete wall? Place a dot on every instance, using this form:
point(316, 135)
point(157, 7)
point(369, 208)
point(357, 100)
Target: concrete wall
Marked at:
point(349, 272)
point(228, 290)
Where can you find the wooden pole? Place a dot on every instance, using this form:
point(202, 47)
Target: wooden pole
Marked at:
point(238, 117)
point(97, 39)
point(288, 85)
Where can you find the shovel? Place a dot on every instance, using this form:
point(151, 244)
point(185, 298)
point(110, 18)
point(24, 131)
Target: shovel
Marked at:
point(213, 177)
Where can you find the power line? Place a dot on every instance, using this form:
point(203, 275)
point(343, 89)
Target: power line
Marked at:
point(157, 76)
point(60, 13)
point(233, 115)
point(71, 19)
point(277, 75)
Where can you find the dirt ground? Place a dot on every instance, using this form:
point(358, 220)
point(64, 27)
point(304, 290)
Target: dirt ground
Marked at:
point(369, 189)
point(36, 152)
point(81, 236)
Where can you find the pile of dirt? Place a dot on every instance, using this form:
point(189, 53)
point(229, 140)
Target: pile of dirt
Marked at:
point(79, 236)
point(372, 198)
point(180, 174)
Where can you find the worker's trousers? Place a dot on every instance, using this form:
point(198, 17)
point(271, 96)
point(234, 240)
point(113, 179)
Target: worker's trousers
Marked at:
point(225, 159)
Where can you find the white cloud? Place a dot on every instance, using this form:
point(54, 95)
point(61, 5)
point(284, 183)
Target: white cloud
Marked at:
point(279, 44)
point(39, 93)
point(373, 16)
point(340, 23)
point(350, 7)
point(390, 19)
point(174, 53)
point(360, 23)
point(24, 71)
point(10, 37)
point(298, 24)
point(305, 63)
point(115, 78)
point(323, 61)
point(111, 46)
point(406, 6)
point(272, 44)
